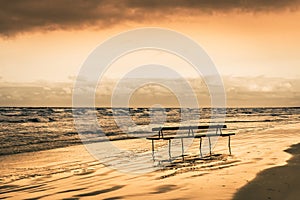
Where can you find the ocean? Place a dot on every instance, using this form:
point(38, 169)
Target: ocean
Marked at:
point(28, 129)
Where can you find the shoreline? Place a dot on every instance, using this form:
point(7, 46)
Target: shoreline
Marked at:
point(71, 107)
point(78, 142)
point(281, 182)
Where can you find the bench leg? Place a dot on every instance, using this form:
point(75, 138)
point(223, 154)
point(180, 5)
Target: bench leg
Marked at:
point(153, 150)
point(209, 143)
point(170, 149)
point(182, 148)
point(229, 145)
point(200, 147)
point(152, 146)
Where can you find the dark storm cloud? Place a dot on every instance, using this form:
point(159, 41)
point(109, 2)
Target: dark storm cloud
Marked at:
point(24, 15)
point(27, 15)
point(221, 5)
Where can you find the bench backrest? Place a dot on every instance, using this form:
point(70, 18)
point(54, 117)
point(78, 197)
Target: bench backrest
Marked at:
point(171, 128)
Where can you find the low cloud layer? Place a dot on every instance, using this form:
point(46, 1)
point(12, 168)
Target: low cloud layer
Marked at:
point(35, 94)
point(42, 15)
point(240, 92)
point(262, 91)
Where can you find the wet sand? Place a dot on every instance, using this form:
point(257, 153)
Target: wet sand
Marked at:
point(72, 173)
point(281, 182)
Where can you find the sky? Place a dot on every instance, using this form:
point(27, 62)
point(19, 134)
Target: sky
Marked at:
point(255, 46)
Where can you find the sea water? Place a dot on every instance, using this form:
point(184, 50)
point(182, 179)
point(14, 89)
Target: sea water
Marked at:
point(27, 129)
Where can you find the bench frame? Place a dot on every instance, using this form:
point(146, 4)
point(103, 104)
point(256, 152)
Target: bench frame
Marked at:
point(190, 134)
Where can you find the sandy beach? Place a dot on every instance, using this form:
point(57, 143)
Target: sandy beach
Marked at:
point(280, 182)
point(72, 173)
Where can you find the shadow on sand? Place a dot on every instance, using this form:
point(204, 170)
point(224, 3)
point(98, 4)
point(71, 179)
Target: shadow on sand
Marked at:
point(281, 182)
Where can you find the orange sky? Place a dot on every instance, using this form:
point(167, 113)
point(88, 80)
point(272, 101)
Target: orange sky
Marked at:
point(254, 39)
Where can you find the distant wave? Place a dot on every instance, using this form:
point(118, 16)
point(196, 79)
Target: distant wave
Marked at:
point(25, 120)
point(254, 121)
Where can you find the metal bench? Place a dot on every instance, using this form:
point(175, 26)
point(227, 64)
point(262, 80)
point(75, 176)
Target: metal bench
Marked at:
point(190, 134)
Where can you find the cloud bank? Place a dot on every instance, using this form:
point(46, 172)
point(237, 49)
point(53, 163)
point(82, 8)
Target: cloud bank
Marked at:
point(240, 92)
point(42, 15)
